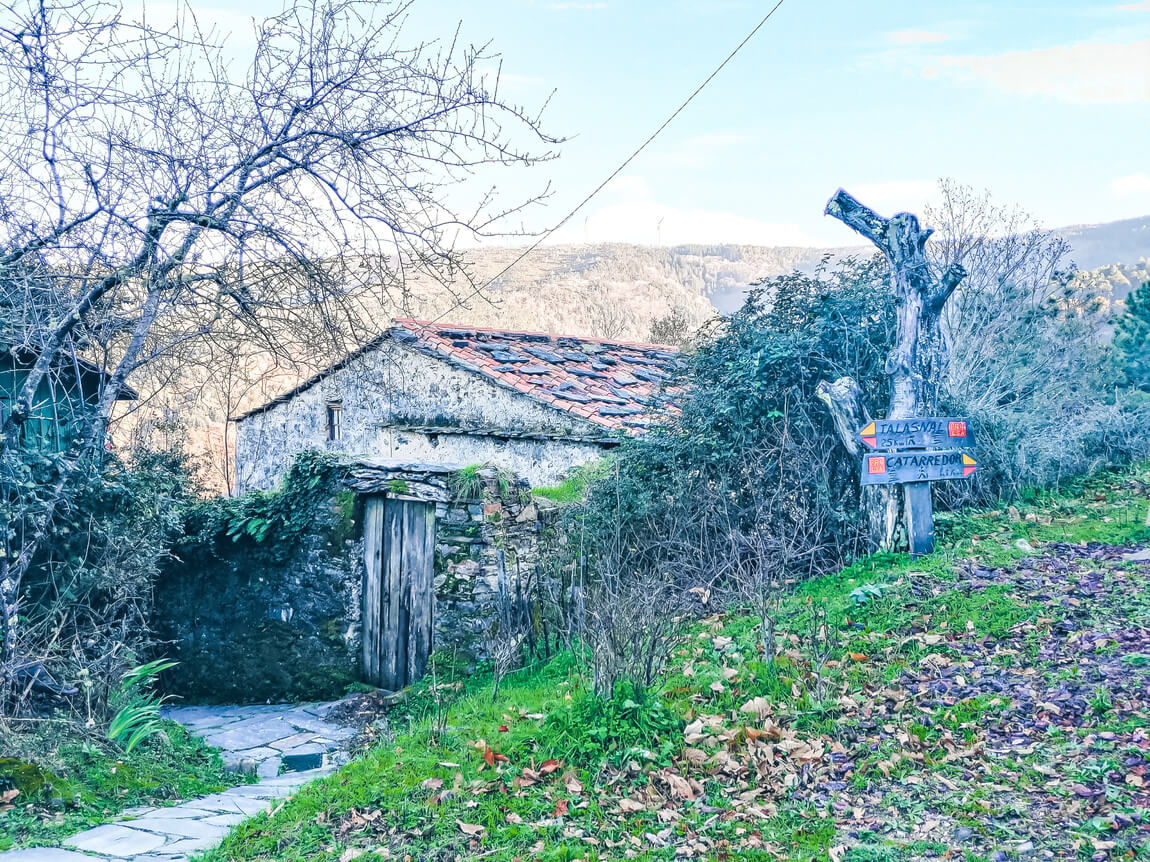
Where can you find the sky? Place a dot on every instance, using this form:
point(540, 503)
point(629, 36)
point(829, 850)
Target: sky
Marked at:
point(1045, 104)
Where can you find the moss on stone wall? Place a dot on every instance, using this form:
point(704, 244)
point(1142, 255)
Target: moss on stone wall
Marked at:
point(261, 599)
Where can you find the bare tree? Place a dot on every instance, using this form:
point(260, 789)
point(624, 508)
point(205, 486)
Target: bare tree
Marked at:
point(154, 192)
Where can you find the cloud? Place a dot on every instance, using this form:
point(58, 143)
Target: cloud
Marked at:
point(1085, 73)
point(1144, 6)
point(917, 37)
point(1131, 186)
point(635, 216)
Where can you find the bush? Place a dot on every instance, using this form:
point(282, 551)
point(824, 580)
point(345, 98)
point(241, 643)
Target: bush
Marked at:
point(87, 595)
point(746, 481)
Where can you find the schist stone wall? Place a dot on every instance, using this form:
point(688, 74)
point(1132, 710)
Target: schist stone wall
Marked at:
point(397, 402)
point(292, 631)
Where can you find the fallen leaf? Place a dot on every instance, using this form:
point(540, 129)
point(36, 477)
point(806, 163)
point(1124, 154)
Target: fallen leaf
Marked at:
point(759, 706)
point(560, 808)
point(549, 766)
point(470, 828)
point(432, 783)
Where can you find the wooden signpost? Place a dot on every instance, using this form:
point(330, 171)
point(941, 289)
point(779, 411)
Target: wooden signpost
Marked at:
point(917, 452)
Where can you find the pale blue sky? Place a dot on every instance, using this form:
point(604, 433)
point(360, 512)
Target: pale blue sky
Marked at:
point(1045, 103)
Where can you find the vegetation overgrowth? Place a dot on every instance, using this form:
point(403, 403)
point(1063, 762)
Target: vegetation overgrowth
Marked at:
point(982, 700)
point(69, 779)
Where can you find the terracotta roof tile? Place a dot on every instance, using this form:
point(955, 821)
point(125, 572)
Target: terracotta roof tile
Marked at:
point(608, 383)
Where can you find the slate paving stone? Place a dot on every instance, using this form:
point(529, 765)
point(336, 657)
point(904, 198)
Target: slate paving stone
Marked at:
point(293, 740)
point(48, 854)
point(183, 827)
point(269, 768)
point(116, 840)
point(225, 819)
point(184, 846)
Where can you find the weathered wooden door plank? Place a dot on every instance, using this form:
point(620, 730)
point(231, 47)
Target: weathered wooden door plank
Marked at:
point(393, 644)
point(420, 555)
point(372, 599)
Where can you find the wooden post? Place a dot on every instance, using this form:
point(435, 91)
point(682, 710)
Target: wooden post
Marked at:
point(919, 518)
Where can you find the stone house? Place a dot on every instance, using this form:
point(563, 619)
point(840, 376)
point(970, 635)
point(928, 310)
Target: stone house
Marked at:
point(532, 403)
point(432, 542)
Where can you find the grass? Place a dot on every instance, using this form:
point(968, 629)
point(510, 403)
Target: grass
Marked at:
point(575, 486)
point(70, 781)
point(545, 772)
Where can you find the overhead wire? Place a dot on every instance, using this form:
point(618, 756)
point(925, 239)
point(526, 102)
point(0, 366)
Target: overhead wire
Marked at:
point(531, 248)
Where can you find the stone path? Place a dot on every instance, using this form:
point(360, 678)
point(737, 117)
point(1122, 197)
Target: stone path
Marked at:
point(259, 739)
point(262, 738)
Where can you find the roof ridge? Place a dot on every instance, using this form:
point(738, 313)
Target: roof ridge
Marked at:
point(403, 321)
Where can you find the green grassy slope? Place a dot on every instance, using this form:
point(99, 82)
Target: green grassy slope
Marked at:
point(987, 702)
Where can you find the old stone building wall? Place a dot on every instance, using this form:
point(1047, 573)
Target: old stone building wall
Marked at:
point(249, 627)
point(390, 396)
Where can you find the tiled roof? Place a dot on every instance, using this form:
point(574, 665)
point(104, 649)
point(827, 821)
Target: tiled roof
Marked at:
point(614, 384)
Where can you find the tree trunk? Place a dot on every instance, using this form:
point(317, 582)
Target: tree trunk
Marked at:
point(844, 400)
point(918, 358)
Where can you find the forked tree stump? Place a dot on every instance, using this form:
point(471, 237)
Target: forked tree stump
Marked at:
point(917, 360)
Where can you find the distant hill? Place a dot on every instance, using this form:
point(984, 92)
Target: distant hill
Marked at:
point(616, 289)
point(1117, 242)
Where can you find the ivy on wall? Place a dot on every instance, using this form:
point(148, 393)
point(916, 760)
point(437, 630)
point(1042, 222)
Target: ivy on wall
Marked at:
point(270, 525)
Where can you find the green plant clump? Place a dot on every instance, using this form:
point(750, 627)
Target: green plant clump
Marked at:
point(70, 780)
point(597, 728)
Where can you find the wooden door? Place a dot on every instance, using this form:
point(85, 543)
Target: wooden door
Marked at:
point(398, 589)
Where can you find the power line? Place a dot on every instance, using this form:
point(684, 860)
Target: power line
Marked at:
point(478, 290)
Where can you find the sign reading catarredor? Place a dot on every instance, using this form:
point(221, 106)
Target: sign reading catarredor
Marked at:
point(927, 466)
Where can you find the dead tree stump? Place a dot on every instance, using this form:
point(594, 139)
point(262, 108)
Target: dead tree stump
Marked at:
point(917, 360)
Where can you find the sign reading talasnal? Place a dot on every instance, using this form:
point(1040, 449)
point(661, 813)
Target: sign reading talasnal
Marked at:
point(929, 466)
point(919, 433)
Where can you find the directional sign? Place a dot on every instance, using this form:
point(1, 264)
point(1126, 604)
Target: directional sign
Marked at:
point(920, 433)
point(896, 467)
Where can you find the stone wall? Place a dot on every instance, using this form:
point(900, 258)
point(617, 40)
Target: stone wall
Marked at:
point(249, 628)
point(401, 403)
point(256, 632)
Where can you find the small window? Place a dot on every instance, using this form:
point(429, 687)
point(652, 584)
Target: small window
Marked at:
point(334, 420)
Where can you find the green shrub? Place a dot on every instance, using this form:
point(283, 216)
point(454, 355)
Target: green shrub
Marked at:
point(622, 726)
